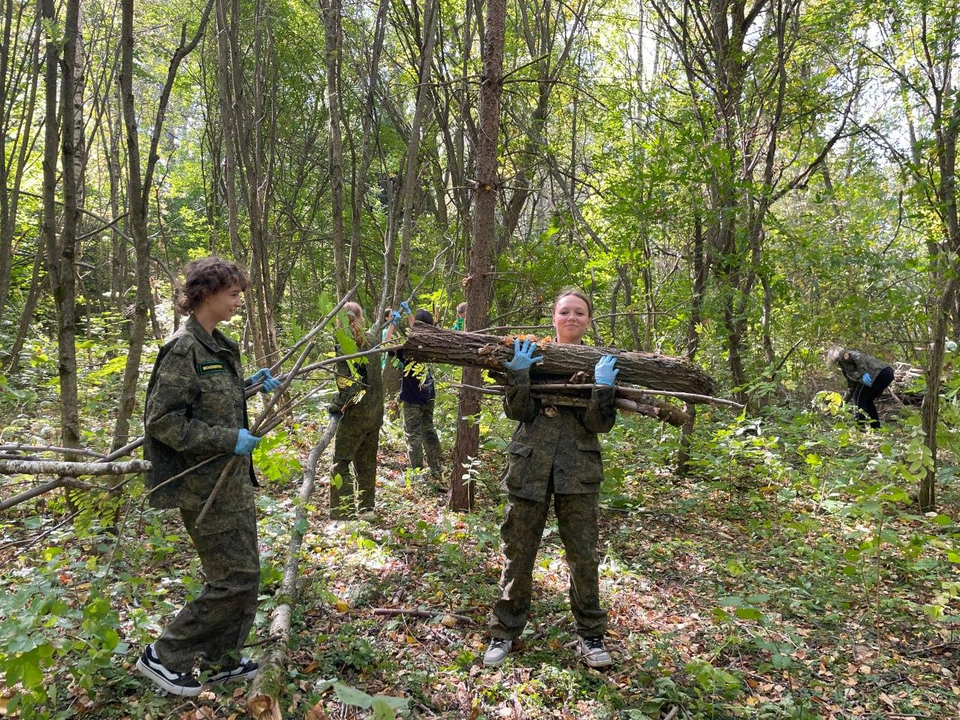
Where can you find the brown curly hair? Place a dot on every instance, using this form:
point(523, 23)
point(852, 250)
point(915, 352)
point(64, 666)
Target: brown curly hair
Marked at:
point(205, 277)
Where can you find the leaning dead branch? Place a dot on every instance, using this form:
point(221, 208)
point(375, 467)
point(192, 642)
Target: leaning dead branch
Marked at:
point(263, 700)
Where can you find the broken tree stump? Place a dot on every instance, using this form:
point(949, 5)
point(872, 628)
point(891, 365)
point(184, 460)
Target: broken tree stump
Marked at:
point(662, 372)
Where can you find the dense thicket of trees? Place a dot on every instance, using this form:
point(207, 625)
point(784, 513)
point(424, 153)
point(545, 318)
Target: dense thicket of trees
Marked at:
point(723, 177)
point(740, 182)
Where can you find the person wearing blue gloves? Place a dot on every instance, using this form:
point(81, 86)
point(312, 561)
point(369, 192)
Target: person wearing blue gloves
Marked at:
point(866, 376)
point(196, 411)
point(554, 453)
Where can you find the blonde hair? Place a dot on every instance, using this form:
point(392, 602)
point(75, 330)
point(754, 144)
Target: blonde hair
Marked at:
point(354, 314)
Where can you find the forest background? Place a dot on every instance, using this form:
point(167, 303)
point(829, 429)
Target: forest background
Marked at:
point(741, 183)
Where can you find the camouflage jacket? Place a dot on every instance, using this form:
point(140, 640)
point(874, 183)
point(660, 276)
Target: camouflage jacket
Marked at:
point(559, 439)
point(195, 406)
point(854, 364)
point(360, 391)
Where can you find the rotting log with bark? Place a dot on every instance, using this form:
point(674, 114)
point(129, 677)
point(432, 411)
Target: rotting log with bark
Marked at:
point(663, 372)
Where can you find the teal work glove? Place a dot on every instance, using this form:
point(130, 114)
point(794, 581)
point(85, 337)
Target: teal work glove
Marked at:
point(270, 383)
point(605, 373)
point(395, 317)
point(406, 308)
point(523, 356)
point(867, 380)
point(245, 442)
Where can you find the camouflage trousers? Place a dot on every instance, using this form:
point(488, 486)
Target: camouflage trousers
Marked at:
point(360, 448)
point(420, 433)
point(521, 532)
point(212, 628)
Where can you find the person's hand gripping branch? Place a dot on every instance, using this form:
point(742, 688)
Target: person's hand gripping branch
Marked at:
point(245, 442)
point(270, 383)
point(605, 373)
point(523, 358)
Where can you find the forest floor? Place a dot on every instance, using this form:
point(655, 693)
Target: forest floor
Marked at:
point(786, 578)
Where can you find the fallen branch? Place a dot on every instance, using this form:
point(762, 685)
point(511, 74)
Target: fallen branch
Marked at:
point(658, 411)
point(652, 408)
point(51, 449)
point(74, 469)
point(263, 698)
point(639, 394)
point(425, 614)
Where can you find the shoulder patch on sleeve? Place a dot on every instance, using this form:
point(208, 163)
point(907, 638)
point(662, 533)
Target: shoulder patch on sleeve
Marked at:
point(846, 356)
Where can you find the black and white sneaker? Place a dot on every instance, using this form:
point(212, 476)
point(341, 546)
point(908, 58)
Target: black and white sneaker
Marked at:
point(594, 651)
point(246, 670)
point(175, 683)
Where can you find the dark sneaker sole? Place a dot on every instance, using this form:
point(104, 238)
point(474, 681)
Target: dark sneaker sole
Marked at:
point(163, 683)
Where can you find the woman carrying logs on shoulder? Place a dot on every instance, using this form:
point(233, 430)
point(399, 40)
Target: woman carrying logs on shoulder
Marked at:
point(196, 411)
point(359, 402)
point(555, 452)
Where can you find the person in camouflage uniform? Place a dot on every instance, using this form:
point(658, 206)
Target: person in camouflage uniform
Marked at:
point(359, 402)
point(554, 454)
point(196, 412)
point(418, 395)
point(866, 376)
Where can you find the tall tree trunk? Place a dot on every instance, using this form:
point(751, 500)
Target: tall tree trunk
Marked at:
point(693, 339)
point(16, 136)
point(29, 307)
point(138, 202)
point(61, 249)
point(332, 33)
point(359, 185)
point(411, 182)
point(480, 277)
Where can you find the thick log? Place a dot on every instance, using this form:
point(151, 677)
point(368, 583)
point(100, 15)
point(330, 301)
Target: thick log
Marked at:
point(663, 372)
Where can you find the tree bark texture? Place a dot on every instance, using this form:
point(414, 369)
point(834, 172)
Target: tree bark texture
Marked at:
point(480, 274)
point(61, 248)
point(332, 33)
point(74, 469)
point(489, 352)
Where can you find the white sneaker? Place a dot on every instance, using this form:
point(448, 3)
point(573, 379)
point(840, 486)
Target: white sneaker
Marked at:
point(497, 652)
point(594, 651)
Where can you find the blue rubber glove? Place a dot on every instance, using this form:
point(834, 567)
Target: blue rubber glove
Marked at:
point(245, 442)
point(605, 373)
point(270, 383)
point(395, 317)
point(523, 356)
point(406, 308)
point(867, 380)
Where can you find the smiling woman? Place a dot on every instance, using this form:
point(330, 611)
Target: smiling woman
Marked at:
point(554, 453)
point(196, 413)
